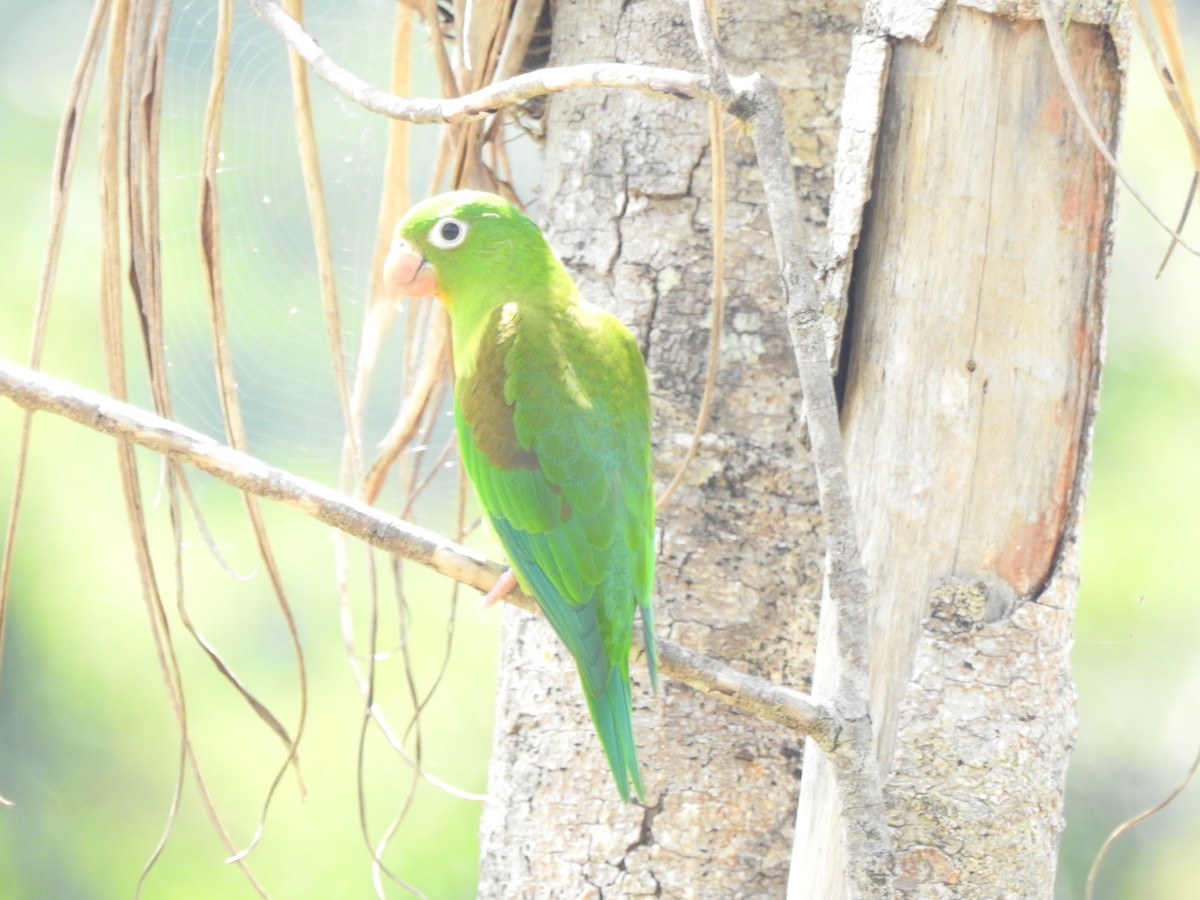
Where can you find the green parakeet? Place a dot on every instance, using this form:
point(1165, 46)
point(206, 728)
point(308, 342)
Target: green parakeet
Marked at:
point(553, 415)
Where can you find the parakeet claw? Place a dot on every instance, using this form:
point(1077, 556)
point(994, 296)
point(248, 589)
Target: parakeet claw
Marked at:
point(502, 588)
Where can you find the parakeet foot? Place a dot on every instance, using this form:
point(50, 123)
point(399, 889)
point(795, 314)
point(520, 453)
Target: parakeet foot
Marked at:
point(502, 588)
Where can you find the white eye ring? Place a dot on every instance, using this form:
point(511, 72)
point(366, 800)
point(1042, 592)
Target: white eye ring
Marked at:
point(448, 233)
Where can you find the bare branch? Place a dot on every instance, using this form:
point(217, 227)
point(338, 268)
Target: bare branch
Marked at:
point(847, 593)
point(847, 578)
point(478, 104)
point(35, 391)
point(749, 692)
point(705, 31)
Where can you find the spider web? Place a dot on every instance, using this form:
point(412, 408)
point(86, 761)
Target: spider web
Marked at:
point(290, 404)
point(276, 324)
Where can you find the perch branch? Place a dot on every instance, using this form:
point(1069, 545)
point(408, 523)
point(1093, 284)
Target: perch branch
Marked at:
point(35, 391)
point(478, 104)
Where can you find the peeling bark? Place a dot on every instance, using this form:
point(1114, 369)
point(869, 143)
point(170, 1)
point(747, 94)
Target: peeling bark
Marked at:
point(971, 362)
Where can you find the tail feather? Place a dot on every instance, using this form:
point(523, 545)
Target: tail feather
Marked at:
point(651, 646)
point(612, 714)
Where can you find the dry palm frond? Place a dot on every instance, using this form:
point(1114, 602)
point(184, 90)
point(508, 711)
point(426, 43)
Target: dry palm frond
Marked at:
point(1167, 56)
point(65, 155)
point(468, 42)
point(210, 249)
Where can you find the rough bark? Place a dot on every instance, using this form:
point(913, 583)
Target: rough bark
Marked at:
point(971, 364)
point(626, 201)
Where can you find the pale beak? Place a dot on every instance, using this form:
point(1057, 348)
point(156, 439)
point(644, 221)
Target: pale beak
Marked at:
point(406, 273)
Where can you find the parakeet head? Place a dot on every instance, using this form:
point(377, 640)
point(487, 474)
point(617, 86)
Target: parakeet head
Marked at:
point(463, 245)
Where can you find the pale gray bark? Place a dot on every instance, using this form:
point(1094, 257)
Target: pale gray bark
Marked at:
point(626, 201)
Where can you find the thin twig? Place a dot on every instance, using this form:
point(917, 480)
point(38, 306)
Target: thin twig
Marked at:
point(847, 593)
point(478, 104)
point(705, 31)
point(37, 391)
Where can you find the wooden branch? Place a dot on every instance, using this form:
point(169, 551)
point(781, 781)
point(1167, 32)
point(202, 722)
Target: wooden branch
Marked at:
point(843, 644)
point(36, 391)
point(757, 99)
point(675, 83)
point(847, 578)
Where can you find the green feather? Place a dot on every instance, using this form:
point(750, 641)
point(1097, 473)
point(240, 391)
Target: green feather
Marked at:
point(553, 415)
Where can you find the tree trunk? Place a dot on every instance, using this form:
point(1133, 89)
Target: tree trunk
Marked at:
point(627, 202)
point(971, 363)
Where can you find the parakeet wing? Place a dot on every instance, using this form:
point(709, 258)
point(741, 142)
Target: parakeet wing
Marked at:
point(554, 431)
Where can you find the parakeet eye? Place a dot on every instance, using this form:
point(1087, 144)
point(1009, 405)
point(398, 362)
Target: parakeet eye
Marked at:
point(448, 233)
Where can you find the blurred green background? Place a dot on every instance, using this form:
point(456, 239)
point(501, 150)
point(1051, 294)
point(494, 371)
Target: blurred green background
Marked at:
point(88, 744)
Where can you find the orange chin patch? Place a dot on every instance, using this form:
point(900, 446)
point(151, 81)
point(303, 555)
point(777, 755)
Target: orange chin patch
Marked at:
point(406, 273)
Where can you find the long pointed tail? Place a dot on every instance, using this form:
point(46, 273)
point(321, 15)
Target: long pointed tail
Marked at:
point(612, 714)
